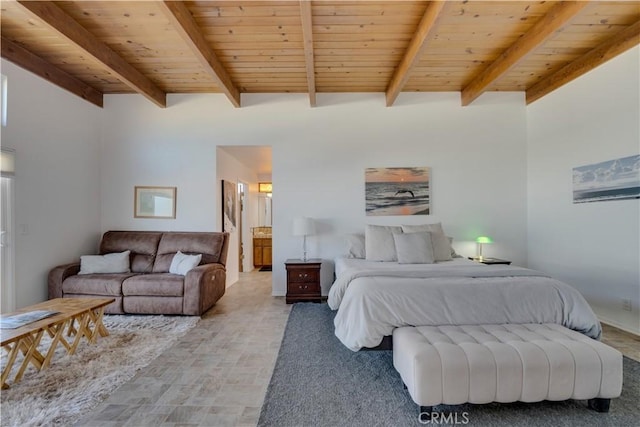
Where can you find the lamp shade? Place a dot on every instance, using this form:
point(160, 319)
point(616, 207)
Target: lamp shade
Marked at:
point(7, 162)
point(484, 239)
point(303, 226)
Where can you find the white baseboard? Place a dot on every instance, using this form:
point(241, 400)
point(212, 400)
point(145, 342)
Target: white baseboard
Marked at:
point(617, 325)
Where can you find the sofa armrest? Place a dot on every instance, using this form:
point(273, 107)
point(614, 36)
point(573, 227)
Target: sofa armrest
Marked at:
point(203, 286)
point(57, 276)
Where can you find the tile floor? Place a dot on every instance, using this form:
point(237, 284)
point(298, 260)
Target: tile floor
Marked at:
point(218, 374)
point(626, 343)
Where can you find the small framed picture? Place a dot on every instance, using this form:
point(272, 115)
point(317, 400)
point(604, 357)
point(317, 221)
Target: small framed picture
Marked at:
point(154, 202)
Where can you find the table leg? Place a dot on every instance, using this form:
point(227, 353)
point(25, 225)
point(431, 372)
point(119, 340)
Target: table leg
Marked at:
point(97, 317)
point(72, 329)
point(13, 353)
point(57, 330)
point(83, 330)
point(26, 344)
point(32, 353)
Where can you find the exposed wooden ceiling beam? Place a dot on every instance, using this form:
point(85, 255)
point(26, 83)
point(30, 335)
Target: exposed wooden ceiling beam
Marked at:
point(31, 62)
point(307, 39)
point(554, 20)
point(619, 43)
point(426, 30)
point(66, 26)
point(184, 23)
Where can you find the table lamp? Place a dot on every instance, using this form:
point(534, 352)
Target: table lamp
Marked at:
point(481, 241)
point(304, 226)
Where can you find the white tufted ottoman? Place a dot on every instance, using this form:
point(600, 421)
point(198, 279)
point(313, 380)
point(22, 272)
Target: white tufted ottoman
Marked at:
point(505, 363)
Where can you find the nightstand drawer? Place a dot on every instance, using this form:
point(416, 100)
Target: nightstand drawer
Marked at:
point(303, 288)
point(303, 275)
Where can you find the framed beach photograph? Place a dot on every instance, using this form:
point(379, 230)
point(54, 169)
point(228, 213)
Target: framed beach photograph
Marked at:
point(617, 179)
point(154, 202)
point(397, 191)
point(228, 205)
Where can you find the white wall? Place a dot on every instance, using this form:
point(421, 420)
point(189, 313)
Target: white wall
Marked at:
point(477, 155)
point(146, 145)
point(57, 184)
point(592, 246)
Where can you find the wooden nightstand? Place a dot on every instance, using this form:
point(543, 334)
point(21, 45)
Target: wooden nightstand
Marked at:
point(490, 261)
point(303, 280)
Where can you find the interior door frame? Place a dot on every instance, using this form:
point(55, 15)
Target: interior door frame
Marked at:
point(7, 251)
point(242, 194)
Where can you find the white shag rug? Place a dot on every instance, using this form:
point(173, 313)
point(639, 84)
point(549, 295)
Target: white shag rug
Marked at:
point(75, 384)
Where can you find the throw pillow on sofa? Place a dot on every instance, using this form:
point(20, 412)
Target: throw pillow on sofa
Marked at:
point(117, 262)
point(182, 263)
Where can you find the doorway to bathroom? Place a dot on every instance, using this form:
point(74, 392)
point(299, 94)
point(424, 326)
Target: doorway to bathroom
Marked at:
point(250, 167)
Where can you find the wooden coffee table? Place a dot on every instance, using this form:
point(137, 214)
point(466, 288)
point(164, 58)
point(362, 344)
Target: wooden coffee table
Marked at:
point(76, 318)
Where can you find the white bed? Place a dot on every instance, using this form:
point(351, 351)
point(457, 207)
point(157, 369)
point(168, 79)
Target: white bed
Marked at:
point(373, 298)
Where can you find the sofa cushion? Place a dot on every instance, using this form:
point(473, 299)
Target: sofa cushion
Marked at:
point(95, 284)
point(142, 244)
point(210, 245)
point(162, 284)
point(113, 308)
point(152, 305)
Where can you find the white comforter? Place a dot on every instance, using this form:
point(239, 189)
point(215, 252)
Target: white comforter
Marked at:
point(374, 298)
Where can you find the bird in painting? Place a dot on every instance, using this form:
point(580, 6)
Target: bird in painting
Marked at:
point(405, 191)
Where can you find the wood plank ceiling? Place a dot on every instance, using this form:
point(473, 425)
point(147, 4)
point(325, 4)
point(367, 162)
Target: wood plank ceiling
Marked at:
point(153, 48)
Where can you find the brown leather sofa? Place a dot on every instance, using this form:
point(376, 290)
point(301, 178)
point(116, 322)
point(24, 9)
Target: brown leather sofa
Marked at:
point(149, 288)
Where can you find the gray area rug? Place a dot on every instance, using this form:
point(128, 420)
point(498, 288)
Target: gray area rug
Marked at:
point(74, 384)
point(319, 382)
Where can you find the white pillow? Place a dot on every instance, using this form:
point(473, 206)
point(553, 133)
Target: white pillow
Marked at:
point(182, 263)
point(355, 246)
point(441, 243)
point(379, 244)
point(117, 262)
point(414, 248)
point(434, 228)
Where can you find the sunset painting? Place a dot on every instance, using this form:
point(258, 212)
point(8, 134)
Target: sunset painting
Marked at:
point(617, 179)
point(397, 191)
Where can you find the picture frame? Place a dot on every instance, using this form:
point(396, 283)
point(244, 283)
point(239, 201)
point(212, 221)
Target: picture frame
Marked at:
point(616, 179)
point(393, 191)
point(229, 190)
point(154, 202)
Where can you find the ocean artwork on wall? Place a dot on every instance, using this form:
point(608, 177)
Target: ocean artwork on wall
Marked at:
point(617, 179)
point(397, 191)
